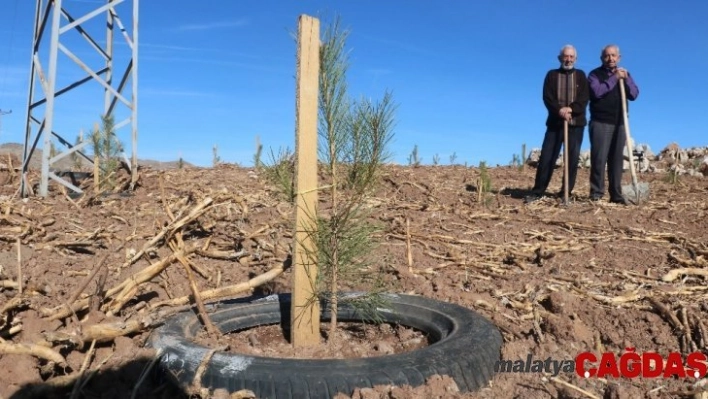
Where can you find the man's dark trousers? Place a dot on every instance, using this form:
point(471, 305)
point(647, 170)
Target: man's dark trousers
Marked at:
point(550, 150)
point(607, 143)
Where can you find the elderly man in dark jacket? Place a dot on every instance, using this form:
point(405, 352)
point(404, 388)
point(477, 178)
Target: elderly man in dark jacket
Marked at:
point(565, 95)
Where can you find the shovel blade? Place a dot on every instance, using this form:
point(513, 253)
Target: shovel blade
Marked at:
point(636, 193)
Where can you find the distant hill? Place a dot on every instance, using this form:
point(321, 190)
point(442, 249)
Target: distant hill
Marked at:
point(15, 150)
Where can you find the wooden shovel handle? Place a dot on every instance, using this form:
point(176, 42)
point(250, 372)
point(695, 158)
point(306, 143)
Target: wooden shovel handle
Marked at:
point(627, 135)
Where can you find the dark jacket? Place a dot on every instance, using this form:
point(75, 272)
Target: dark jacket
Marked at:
point(577, 83)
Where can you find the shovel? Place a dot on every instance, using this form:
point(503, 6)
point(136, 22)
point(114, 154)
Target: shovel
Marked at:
point(636, 191)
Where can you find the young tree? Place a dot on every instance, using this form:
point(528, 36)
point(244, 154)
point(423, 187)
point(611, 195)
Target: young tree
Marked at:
point(352, 148)
point(106, 151)
point(354, 136)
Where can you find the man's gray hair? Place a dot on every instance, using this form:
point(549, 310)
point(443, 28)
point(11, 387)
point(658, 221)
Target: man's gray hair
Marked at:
point(568, 47)
point(609, 46)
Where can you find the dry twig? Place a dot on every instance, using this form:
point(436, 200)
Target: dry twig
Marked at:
point(39, 351)
point(228, 291)
point(203, 315)
point(574, 388)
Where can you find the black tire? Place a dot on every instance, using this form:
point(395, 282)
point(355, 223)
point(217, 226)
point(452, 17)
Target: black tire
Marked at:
point(464, 345)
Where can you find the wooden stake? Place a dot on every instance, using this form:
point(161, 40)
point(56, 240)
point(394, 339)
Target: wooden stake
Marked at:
point(305, 312)
point(96, 166)
point(19, 266)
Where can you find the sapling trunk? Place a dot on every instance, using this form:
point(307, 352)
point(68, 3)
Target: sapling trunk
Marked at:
point(333, 242)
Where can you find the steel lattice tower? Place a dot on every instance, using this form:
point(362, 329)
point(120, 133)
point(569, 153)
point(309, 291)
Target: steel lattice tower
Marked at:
point(53, 22)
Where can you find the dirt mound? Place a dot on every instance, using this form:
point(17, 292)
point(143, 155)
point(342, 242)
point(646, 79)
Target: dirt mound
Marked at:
point(557, 280)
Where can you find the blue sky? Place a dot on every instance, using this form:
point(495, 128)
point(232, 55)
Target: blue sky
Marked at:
point(466, 75)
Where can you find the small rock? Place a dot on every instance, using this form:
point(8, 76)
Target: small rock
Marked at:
point(694, 173)
point(648, 153)
point(678, 168)
point(696, 152)
point(703, 167)
point(670, 153)
point(584, 161)
point(534, 156)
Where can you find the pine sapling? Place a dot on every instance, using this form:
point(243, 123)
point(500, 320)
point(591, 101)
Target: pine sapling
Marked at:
point(353, 149)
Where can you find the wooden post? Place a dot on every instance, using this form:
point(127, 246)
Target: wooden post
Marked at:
point(96, 161)
point(305, 311)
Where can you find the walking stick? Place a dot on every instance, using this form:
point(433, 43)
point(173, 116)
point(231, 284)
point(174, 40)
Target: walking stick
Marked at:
point(565, 162)
point(565, 141)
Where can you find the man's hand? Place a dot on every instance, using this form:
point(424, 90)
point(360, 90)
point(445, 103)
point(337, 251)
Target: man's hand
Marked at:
point(566, 113)
point(621, 73)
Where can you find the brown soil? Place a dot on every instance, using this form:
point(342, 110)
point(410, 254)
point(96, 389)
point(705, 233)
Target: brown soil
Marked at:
point(354, 340)
point(556, 280)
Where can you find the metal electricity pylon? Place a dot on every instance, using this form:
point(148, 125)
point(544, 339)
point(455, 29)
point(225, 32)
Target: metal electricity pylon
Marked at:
point(52, 24)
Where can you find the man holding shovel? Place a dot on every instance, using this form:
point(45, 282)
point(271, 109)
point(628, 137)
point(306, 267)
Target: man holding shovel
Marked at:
point(607, 126)
point(565, 95)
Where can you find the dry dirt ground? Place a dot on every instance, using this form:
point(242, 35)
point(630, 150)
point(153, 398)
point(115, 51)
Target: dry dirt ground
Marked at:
point(557, 280)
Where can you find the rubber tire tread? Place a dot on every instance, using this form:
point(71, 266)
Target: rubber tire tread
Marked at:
point(465, 346)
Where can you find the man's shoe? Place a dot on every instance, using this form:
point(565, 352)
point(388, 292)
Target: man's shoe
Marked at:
point(620, 200)
point(595, 198)
point(531, 198)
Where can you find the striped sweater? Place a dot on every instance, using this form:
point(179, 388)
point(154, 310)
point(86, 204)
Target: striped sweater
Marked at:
point(563, 88)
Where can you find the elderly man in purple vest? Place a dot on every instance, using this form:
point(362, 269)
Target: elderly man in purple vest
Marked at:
point(607, 134)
